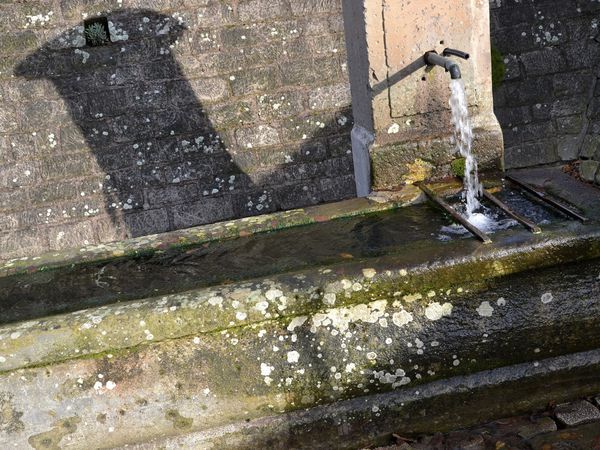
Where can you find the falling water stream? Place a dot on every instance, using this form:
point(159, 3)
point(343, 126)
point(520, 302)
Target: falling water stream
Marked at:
point(463, 134)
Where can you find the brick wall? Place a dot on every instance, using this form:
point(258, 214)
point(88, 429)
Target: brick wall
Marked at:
point(549, 102)
point(197, 111)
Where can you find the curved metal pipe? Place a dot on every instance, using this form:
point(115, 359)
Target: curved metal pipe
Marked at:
point(433, 59)
point(454, 52)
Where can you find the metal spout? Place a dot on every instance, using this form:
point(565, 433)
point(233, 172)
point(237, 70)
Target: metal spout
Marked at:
point(433, 59)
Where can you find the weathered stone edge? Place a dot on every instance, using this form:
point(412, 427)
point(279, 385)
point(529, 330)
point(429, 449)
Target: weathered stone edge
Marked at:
point(129, 324)
point(441, 405)
point(196, 236)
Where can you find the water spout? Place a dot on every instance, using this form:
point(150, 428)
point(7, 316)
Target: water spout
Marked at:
point(433, 59)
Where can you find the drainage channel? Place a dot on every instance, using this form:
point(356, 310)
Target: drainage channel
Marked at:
point(524, 189)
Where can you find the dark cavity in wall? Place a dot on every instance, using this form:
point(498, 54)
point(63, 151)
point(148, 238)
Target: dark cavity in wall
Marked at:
point(96, 31)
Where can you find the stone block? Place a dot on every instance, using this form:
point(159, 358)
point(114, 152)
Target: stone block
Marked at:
point(526, 92)
point(337, 188)
point(582, 55)
point(309, 7)
point(9, 221)
point(17, 43)
point(14, 200)
point(568, 147)
point(320, 26)
point(281, 105)
point(569, 83)
point(569, 106)
point(591, 146)
point(298, 195)
point(531, 154)
point(281, 32)
point(330, 44)
point(260, 55)
point(9, 119)
point(329, 97)
point(72, 235)
point(63, 166)
point(234, 114)
point(569, 125)
point(210, 15)
point(42, 114)
point(206, 210)
point(339, 145)
point(260, 136)
point(146, 222)
point(536, 131)
point(307, 127)
point(515, 38)
point(170, 195)
point(252, 203)
point(19, 174)
point(537, 427)
point(543, 62)
point(512, 67)
point(517, 115)
point(588, 169)
point(311, 71)
point(258, 80)
point(260, 10)
point(23, 243)
point(209, 89)
point(465, 441)
point(181, 172)
point(576, 413)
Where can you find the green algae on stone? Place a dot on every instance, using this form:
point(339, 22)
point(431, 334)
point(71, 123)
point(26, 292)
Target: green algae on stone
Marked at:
point(498, 67)
point(458, 167)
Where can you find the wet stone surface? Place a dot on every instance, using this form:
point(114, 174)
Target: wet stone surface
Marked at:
point(540, 431)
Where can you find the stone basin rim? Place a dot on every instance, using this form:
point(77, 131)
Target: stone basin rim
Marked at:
point(57, 338)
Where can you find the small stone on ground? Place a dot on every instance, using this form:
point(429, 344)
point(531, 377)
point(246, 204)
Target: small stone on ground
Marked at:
point(576, 413)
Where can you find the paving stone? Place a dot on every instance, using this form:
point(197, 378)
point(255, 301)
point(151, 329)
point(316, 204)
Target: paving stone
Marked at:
point(583, 437)
point(588, 169)
point(568, 147)
point(576, 413)
point(460, 440)
point(543, 425)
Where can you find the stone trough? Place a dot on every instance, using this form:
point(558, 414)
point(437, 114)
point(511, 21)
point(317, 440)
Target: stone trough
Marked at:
point(383, 330)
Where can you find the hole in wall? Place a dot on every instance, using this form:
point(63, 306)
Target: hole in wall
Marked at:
point(96, 31)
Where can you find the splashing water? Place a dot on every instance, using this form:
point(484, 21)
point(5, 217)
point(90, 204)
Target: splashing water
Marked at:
point(463, 133)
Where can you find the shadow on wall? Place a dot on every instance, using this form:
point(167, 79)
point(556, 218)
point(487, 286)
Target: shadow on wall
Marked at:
point(166, 165)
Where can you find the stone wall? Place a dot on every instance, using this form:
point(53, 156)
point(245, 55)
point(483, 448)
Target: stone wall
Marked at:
point(197, 111)
point(549, 102)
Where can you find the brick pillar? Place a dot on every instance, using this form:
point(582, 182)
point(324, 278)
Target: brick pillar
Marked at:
point(403, 129)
